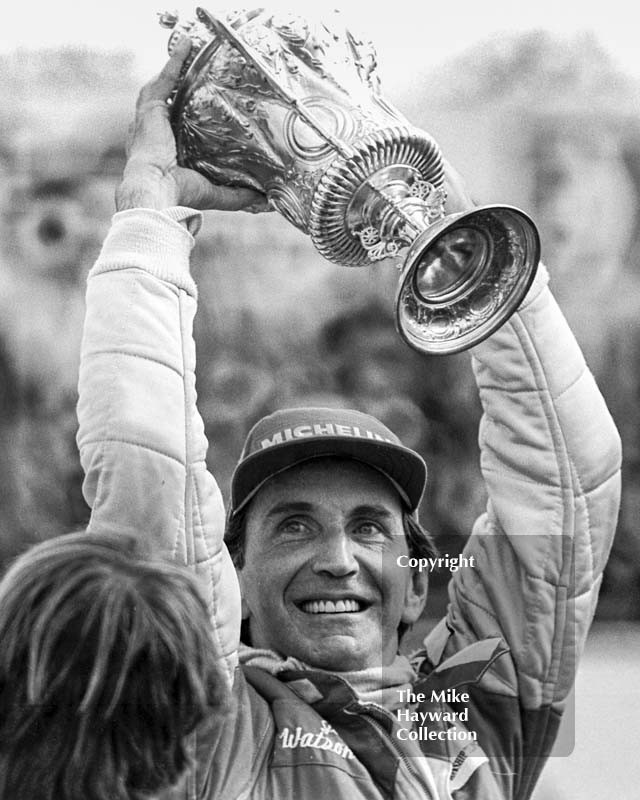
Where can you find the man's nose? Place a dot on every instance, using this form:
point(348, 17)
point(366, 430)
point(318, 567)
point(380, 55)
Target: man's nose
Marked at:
point(335, 555)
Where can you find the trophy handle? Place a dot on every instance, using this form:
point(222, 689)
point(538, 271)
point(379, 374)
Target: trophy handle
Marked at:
point(464, 276)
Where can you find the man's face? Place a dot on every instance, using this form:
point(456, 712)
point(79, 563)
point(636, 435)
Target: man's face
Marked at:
point(320, 580)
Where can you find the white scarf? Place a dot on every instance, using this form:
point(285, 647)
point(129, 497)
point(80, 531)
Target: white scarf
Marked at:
point(379, 685)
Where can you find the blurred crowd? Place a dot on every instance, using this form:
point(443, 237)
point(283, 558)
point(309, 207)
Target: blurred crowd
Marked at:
point(279, 325)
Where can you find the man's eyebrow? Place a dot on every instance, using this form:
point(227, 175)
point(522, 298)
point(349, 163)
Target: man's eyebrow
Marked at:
point(368, 510)
point(290, 507)
point(374, 510)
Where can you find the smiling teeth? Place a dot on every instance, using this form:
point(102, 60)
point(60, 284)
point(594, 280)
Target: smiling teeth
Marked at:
point(329, 607)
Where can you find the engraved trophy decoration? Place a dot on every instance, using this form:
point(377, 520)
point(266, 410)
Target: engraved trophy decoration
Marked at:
point(293, 109)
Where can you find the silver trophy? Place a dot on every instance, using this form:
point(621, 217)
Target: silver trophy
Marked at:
point(293, 109)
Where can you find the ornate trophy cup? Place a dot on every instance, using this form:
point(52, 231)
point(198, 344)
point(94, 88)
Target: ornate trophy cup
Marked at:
point(294, 110)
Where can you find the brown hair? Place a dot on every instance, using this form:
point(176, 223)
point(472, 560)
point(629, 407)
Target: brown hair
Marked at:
point(106, 665)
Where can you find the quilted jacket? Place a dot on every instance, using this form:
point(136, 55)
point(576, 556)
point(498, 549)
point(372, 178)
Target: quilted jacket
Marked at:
point(516, 624)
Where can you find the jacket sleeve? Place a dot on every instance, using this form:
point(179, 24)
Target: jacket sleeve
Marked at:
point(141, 439)
point(550, 458)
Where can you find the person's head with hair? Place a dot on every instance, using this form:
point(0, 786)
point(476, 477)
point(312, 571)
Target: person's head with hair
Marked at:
point(323, 510)
point(106, 667)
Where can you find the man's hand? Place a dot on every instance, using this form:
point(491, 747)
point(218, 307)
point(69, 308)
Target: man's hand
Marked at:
point(152, 177)
point(458, 197)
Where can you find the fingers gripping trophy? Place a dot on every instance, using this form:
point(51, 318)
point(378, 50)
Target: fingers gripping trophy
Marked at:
point(293, 109)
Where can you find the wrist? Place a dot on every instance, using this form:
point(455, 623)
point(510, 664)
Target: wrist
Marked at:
point(189, 218)
point(145, 186)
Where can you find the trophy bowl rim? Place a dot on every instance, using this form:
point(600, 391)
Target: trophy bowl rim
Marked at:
point(523, 280)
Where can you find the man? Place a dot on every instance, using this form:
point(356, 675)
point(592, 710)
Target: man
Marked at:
point(330, 562)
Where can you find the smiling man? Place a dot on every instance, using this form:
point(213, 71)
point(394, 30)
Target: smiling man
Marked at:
point(321, 537)
point(307, 574)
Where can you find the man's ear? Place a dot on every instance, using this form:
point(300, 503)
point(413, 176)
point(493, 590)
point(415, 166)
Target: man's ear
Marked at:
point(415, 597)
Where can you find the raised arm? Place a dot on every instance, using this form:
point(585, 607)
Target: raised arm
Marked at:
point(141, 439)
point(550, 457)
point(551, 463)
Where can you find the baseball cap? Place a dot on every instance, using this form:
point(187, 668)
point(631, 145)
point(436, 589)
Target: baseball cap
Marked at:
point(292, 436)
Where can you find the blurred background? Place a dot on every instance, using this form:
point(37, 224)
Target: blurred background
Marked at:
point(539, 108)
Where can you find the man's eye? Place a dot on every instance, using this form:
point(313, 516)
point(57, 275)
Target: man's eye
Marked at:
point(294, 526)
point(370, 530)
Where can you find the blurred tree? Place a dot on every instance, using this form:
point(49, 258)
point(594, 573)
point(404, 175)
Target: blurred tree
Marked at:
point(537, 67)
point(49, 73)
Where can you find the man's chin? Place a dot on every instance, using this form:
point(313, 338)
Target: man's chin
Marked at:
point(340, 653)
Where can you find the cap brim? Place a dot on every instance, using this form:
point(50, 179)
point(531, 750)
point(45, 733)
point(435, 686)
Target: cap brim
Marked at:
point(405, 468)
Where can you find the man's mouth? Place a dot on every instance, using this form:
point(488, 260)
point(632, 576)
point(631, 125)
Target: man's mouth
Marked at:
point(348, 605)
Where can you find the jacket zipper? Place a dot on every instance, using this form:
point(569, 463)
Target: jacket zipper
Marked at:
point(406, 760)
